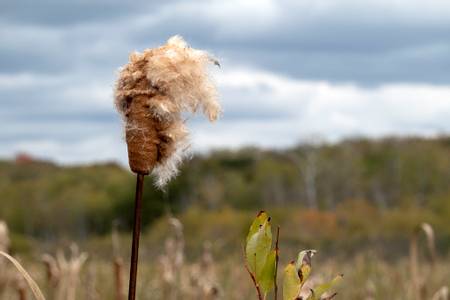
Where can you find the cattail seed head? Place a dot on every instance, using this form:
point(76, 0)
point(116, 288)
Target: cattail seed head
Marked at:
point(4, 237)
point(152, 92)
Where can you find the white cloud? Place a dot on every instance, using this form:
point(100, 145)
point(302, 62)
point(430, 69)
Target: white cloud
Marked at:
point(261, 108)
point(94, 95)
point(72, 92)
point(98, 149)
point(303, 108)
point(24, 80)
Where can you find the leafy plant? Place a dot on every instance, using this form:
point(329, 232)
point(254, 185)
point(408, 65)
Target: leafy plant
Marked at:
point(262, 265)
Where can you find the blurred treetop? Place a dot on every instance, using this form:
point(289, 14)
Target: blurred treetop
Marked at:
point(41, 198)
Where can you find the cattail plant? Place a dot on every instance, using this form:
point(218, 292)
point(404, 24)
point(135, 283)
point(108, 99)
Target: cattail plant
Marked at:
point(90, 291)
point(21, 288)
point(37, 293)
point(4, 247)
point(197, 281)
point(118, 268)
point(18, 281)
point(419, 275)
point(63, 274)
point(172, 261)
point(442, 294)
point(203, 278)
point(152, 92)
point(4, 237)
point(262, 266)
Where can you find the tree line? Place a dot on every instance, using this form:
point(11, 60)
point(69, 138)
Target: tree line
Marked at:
point(46, 200)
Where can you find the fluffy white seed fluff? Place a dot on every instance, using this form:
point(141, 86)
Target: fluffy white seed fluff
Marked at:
point(180, 74)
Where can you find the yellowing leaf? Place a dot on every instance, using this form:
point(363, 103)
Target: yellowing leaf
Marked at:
point(291, 283)
point(260, 219)
point(258, 248)
point(267, 276)
point(323, 288)
point(303, 273)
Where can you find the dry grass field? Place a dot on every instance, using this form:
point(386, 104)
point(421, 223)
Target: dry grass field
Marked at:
point(173, 268)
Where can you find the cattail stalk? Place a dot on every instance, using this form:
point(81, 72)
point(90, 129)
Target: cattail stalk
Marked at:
point(118, 277)
point(136, 236)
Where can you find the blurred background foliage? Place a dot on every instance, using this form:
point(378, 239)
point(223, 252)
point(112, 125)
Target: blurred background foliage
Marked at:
point(342, 197)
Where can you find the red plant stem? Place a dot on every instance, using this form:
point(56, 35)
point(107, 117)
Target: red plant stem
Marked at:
point(277, 258)
point(258, 290)
point(136, 236)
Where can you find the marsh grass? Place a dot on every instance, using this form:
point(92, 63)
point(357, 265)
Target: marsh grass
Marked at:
point(29, 280)
point(368, 275)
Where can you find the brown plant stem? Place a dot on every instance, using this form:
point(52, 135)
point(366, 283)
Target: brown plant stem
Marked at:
point(22, 293)
point(136, 236)
point(277, 258)
point(118, 271)
point(413, 257)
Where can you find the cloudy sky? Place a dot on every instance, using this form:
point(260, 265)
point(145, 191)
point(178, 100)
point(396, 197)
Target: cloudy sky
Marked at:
point(291, 70)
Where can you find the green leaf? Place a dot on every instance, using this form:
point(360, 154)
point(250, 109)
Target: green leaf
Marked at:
point(303, 265)
point(258, 248)
point(317, 292)
point(267, 279)
point(291, 283)
point(260, 219)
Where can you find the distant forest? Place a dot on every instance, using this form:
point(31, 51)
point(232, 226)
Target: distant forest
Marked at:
point(43, 199)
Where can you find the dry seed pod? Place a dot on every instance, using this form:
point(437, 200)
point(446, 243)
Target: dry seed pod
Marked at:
point(152, 92)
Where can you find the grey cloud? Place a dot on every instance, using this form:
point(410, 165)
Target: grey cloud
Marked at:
point(368, 48)
point(66, 13)
point(349, 42)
